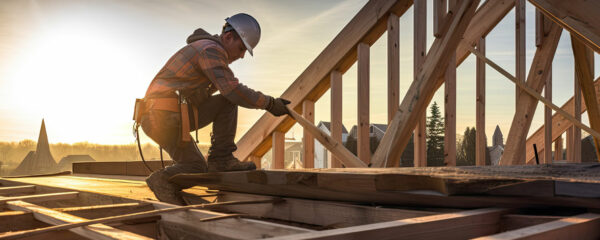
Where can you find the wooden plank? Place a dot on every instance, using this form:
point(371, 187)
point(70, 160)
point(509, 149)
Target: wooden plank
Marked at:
point(583, 226)
point(393, 54)
point(366, 26)
point(579, 17)
point(516, 221)
point(450, 113)
point(41, 197)
point(461, 225)
point(228, 228)
point(17, 189)
point(584, 75)
point(98, 211)
point(336, 113)
point(96, 231)
point(515, 143)
point(363, 149)
point(278, 150)
point(308, 141)
point(419, 53)
point(421, 90)
point(480, 138)
point(439, 14)
point(133, 168)
point(336, 148)
point(320, 213)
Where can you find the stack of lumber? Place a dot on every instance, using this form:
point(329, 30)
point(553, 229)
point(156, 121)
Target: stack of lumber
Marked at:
point(572, 185)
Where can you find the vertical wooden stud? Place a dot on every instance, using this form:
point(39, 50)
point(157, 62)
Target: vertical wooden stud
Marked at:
point(362, 143)
point(450, 113)
point(520, 58)
point(336, 113)
point(569, 144)
point(308, 140)
point(558, 149)
point(584, 75)
point(420, 49)
point(548, 121)
point(278, 151)
point(439, 15)
point(393, 33)
point(480, 142)
point(575, 151)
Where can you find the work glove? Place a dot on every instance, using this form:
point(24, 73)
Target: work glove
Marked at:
point(278, 108)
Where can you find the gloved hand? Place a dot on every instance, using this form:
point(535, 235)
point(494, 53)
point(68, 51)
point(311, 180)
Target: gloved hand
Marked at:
point(278, 108)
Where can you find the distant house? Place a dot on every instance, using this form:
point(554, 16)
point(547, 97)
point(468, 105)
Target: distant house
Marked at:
point(292, 157)
point(66, 163)
point(322, 156)
point(375, 130)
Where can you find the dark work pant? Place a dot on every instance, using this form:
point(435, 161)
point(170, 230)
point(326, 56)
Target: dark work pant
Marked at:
point(164, 128)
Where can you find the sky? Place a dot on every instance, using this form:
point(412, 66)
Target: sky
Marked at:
point(81, 64)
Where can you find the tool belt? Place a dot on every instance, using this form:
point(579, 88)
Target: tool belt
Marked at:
point(172, 104)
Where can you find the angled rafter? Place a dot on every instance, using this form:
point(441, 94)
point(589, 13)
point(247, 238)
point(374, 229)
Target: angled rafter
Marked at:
point(538, 73)
point(580, 17)
point(422, 89)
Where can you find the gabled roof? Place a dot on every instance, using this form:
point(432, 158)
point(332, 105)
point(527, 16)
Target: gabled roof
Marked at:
point(328, 126)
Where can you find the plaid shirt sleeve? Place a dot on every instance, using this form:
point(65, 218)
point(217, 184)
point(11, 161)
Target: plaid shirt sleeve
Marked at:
point(213, 63)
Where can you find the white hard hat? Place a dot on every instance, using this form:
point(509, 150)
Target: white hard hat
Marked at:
point(247, 28)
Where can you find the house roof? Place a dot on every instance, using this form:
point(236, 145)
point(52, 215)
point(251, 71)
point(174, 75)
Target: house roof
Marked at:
point(328, 126)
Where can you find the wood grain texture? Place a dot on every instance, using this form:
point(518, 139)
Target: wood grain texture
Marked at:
point(336, 113)
point(336, 148)
point(584, 76)
point(366, 26)
point(278, 154)
point(480, 138)
point(393, 67)
point(579, 17)
point(419, 53)
point(308, 140)
point(421, 91)
point(363, 149)
point(450, 114)
point(515, 147)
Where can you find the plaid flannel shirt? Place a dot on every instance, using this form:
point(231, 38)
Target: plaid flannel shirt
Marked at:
point(196, 64)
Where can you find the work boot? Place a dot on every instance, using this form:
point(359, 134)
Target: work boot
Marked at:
point(228, 163)
point(164, 190)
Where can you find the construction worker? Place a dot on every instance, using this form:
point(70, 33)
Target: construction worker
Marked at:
point(180, 100)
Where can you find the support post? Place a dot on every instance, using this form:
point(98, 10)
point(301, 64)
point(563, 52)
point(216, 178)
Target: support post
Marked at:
point(363, 148)
point(558, 149)
point(336, 113)
point(393, 33)
point(256, 160)
point(420, 50)
point(278, 151)
point(450, 113)
point(575, 151)
point(584, 74)
point(439, 15)
point(480, 139)
point(308, 140)
point(548, 121)
point(520, 62)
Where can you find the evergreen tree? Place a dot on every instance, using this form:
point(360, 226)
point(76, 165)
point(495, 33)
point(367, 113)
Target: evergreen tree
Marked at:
point(435, 137)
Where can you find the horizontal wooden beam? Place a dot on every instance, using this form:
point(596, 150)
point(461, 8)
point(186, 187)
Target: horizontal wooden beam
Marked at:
point(583, 226)
point(41, 197)
point(366, 26)
point(460, 225)
point(320, 213)
point(17, 189)
point(96, 231)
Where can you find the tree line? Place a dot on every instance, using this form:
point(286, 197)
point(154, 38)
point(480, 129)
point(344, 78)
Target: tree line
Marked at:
point(465, 147)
